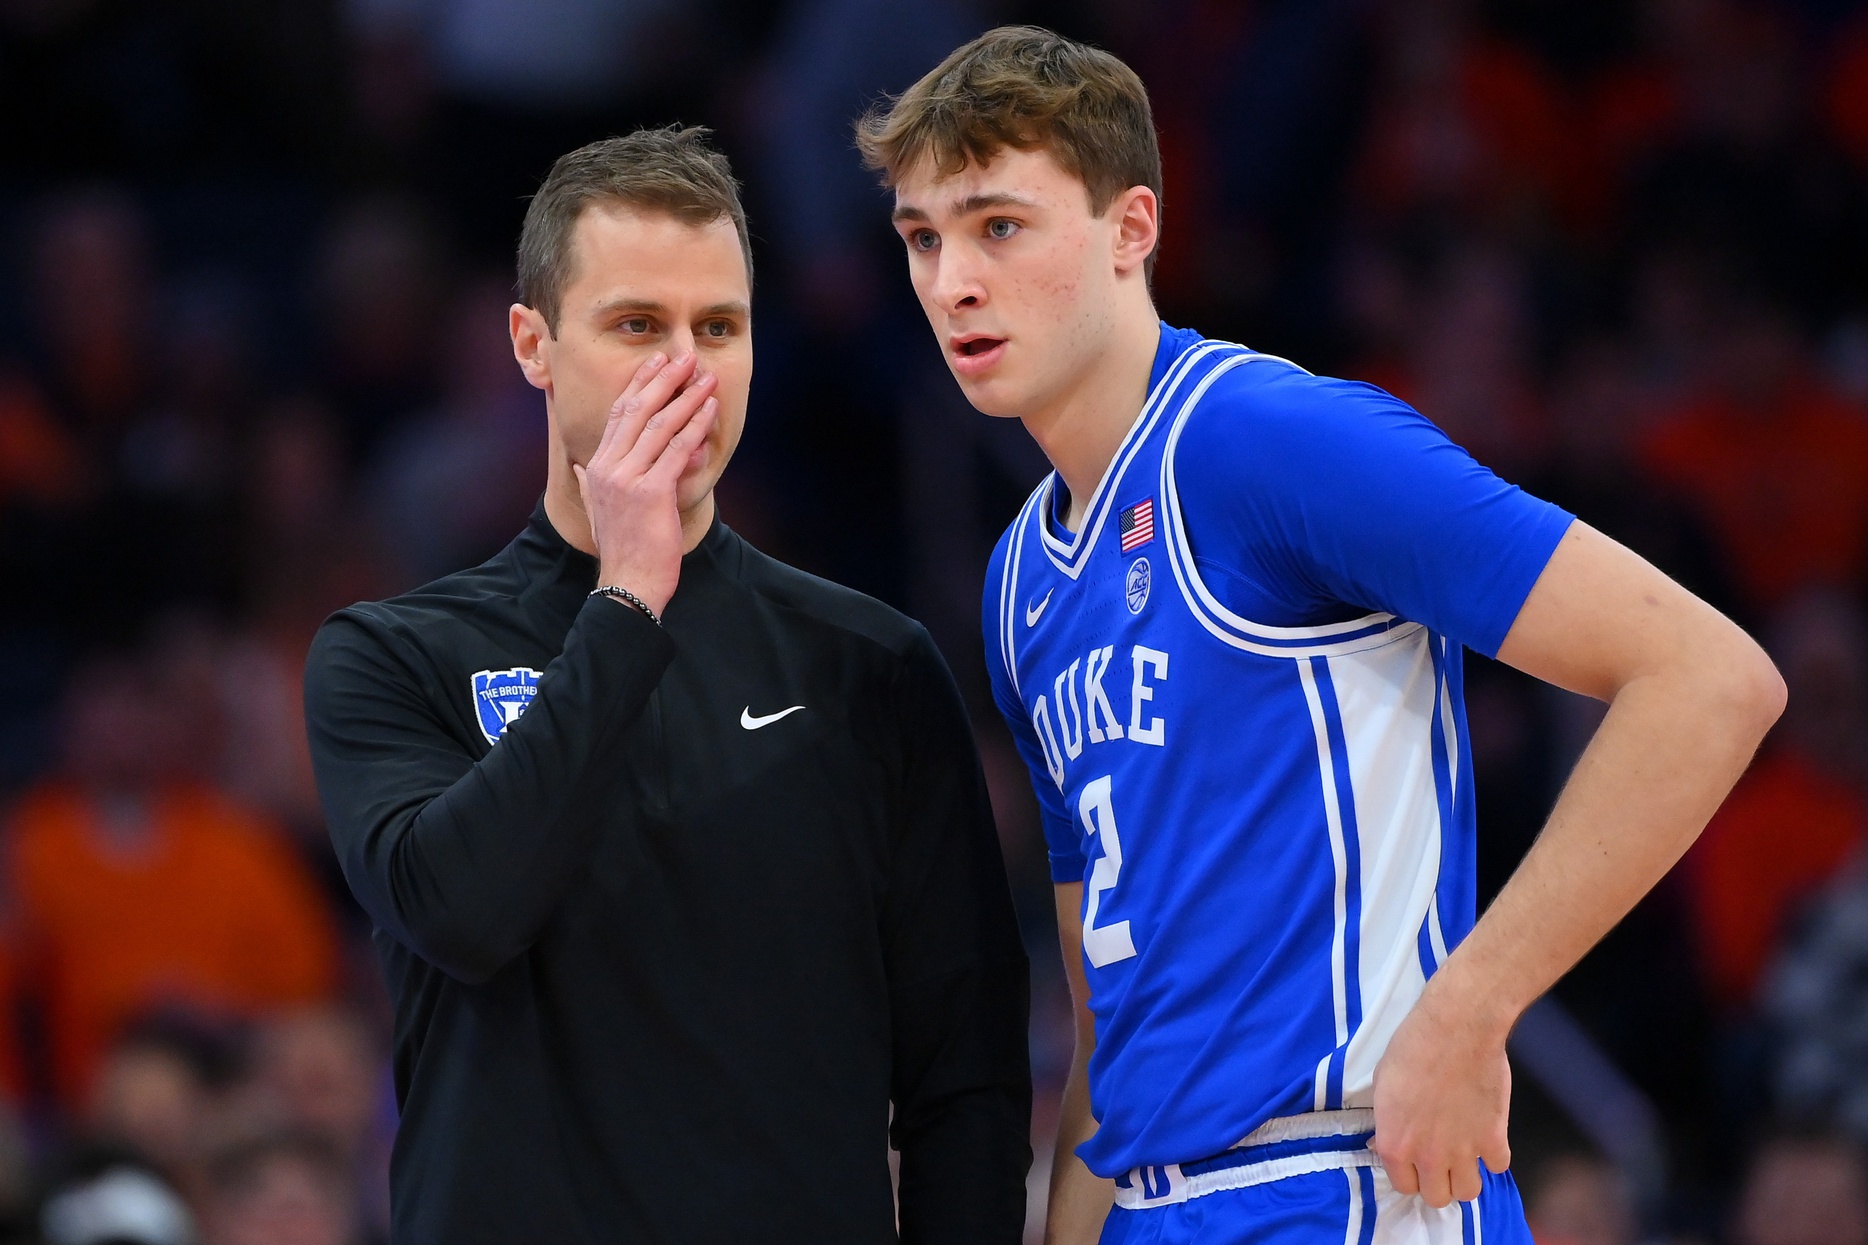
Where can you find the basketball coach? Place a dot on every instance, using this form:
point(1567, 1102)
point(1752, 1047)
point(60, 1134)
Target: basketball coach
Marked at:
point(680, 862)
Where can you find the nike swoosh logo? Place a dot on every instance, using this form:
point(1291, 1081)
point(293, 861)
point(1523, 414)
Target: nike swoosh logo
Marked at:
point(1033, 612)
point(752, 724)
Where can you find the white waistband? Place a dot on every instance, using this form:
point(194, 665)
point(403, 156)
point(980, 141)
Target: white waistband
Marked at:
point(1166, 1185)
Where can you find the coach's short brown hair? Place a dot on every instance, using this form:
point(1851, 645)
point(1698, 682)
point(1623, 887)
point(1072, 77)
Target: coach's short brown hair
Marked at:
point(1022, 87)
point(671, 170)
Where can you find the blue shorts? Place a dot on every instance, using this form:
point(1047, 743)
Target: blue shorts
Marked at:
point(1325, 1208)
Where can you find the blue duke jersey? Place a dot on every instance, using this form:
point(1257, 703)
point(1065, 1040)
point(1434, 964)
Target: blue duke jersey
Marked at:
point(1238, 689)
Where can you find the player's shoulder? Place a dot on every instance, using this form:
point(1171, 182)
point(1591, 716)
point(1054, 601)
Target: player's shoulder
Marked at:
point(1265, 415)
point(824, 605)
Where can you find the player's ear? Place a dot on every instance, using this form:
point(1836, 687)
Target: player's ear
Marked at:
point(1136, 214)
point(529, 335)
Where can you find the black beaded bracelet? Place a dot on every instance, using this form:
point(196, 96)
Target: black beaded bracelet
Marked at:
point(625, 595)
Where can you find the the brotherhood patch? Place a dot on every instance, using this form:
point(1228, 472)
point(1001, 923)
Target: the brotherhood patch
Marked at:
point(500, 696)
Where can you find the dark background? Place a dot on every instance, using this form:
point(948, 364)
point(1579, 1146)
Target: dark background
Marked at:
point(254, 261)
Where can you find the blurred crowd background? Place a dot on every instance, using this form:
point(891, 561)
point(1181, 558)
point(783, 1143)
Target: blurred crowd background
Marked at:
point(254, 264)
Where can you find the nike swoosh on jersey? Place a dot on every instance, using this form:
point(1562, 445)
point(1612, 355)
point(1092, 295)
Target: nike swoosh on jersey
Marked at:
point(752, 724)
point(1032, 613)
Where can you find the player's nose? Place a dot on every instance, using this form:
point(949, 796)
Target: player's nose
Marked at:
point(957, 282)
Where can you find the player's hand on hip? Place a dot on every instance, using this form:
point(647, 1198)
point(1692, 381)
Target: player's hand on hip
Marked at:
point(655, 429)
point(1442, 1101)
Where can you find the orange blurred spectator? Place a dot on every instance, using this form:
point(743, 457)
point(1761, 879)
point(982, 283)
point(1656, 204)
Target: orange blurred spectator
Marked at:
point(1798, 816)
point(135, 889)
point(1467, 121)
point(1775, 461)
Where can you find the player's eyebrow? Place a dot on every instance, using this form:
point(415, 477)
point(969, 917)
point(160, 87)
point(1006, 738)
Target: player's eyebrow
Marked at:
point(964, 207)
point(979, 203)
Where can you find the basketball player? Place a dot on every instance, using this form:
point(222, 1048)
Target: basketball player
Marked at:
point(1226, 633)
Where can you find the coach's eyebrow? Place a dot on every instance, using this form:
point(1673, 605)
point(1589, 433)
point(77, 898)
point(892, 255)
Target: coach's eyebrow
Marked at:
point(647, 306)
point(734, 308)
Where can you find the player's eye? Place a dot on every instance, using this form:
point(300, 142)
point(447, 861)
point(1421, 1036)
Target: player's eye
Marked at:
point(922, 239)
point(999, 228)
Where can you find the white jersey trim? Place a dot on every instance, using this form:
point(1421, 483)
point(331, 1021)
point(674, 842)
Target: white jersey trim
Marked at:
point(1073, 555)
point(1327, 640)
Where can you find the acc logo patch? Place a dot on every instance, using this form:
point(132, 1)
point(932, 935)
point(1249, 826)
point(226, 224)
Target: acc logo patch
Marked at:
point(1135, 588)
point(500, 696)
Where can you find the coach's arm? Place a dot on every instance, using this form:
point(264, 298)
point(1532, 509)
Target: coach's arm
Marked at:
point(463, 859)
point(959, 983)
point(1690, 696)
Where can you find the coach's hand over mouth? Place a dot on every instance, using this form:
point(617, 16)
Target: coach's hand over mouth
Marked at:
point(656, 430)
point(1442, 1101)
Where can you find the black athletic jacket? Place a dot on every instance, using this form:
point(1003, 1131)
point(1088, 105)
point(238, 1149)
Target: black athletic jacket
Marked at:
point(662, 959)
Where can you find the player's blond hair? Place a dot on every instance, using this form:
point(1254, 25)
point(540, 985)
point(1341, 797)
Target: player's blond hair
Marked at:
point(1022, 87)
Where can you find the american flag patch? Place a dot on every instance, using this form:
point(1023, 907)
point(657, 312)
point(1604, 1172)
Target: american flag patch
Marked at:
point(1137, 525)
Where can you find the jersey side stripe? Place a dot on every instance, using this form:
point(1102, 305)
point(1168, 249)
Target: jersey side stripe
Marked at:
point(1350, 876)
point(1332, 815)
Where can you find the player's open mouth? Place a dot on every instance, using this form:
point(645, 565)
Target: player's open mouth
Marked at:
point(973, 355)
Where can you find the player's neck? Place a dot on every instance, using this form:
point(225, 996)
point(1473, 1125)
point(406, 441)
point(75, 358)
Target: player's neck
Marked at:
point(1081, 433)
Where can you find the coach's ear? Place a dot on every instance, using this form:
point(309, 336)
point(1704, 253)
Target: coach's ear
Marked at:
point(1136, 215)
point(529, 335)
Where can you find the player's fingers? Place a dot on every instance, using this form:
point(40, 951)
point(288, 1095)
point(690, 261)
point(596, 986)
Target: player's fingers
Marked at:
point(1436, 1185)
point(680, 449)
point(627, 411)
point(1465, 1181)
point(662, 427)
point(1497, 1155)
point(1403, 1177)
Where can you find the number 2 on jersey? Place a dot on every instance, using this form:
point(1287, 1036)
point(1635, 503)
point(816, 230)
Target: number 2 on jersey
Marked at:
point(1108, 944)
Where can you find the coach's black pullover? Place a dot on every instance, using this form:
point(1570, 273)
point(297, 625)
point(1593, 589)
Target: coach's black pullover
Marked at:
point(660, 969)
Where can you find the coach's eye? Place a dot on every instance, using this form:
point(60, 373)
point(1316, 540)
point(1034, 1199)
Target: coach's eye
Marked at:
point(716, 328)
point(635, 324)
point(1000, 228)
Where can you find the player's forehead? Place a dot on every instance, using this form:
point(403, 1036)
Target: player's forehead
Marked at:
point(619, 252)
point(1013, 177)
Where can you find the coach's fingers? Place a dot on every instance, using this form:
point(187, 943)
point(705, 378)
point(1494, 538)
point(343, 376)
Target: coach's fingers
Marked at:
point(662, 426)
point(625, 411)
point(658, 390)
point(683, 445)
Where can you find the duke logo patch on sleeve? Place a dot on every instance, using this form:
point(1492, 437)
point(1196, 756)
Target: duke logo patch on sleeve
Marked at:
point(500, 696)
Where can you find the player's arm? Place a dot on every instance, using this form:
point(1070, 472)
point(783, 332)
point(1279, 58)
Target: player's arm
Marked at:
point(1690, 696)
point(1080, 1199)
